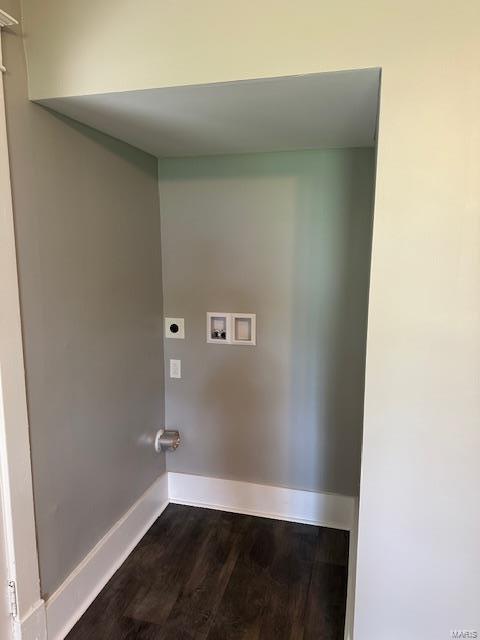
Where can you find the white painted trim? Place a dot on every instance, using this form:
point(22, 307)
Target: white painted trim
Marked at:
point(352, 576)
point(82, 586)
point(33, 626)
point(280, 503)
point(6, 20)
point(15, 465)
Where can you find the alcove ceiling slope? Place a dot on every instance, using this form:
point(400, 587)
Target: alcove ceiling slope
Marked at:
point(322, 110)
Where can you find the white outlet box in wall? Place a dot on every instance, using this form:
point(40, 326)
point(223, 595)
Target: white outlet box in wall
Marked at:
point(243, 328)
point(231, 328)
point(219, 327)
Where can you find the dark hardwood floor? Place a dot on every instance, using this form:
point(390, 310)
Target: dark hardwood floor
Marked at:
point(200, 574)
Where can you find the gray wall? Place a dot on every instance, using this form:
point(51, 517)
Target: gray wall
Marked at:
point(88, 241)
point(285, 236)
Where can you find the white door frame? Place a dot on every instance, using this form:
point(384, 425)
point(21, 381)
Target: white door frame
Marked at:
point(28, 617)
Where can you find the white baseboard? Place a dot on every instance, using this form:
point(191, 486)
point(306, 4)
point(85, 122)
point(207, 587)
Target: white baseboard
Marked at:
point(33, 625)
point(352, 576)
point(280, 503)
point(74, 596)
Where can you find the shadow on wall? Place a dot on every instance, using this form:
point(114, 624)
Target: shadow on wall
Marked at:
point(328, 341)
point(88, 236)
point(286, 236)
point(139, 159)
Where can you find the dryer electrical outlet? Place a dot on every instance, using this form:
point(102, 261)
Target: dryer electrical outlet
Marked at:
point(175, 328)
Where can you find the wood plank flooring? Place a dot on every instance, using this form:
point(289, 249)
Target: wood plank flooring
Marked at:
point(200, 574)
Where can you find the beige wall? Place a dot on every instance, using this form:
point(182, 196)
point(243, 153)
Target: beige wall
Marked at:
point(285, 236)
point(419, 511)
point(88, 247)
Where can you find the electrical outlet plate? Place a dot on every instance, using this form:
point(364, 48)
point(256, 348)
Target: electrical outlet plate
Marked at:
point(175, 368)
point(175, 328)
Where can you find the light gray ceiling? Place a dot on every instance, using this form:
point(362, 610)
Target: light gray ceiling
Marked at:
point(275, 114)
